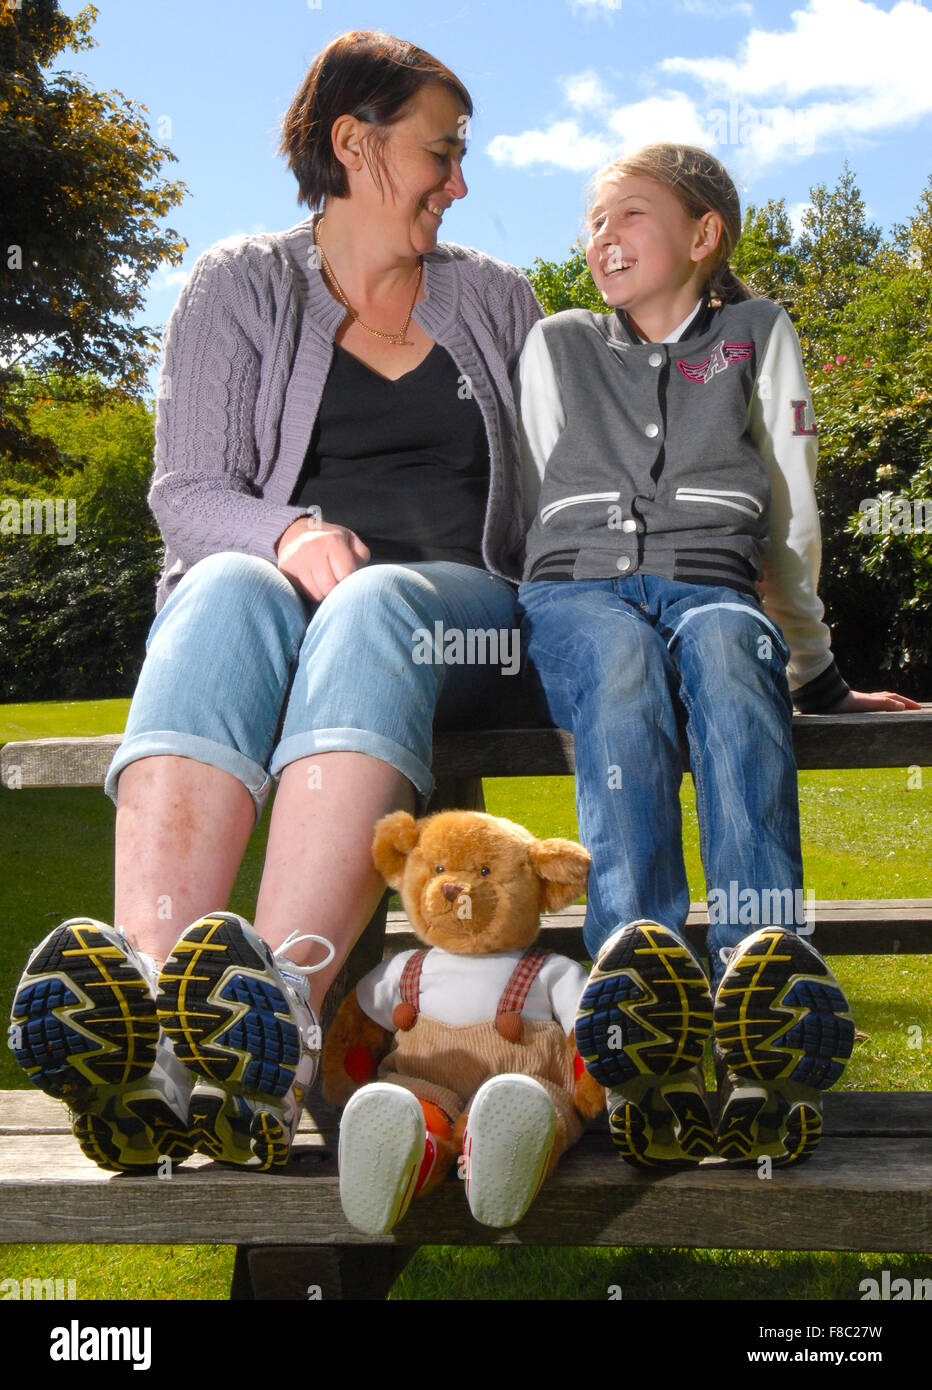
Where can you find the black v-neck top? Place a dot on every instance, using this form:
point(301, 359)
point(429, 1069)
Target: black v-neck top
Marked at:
point(404, 464)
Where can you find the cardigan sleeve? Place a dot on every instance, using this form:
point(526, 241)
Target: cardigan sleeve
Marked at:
point(782, 426)
point(205, 494)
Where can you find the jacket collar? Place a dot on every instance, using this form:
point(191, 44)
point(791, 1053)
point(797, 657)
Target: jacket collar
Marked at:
point(620, 330)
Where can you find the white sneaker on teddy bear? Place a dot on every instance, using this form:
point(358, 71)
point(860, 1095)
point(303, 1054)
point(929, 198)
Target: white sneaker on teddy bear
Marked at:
point(382, 1140)
point(508, 1141)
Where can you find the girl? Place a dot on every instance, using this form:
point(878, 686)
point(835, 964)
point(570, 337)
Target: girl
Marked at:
point(671, 582)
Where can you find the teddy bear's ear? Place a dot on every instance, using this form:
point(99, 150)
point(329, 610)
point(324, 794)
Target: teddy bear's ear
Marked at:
point(563, 868)
point(395, 838)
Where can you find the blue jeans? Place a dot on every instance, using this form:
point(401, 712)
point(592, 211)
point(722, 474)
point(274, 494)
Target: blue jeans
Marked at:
point(624, 665)
point(243, 674)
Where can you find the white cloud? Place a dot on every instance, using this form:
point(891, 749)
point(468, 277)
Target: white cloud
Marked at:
point(795, 212)
point(585, 91)
point(593, 5)
point(714, 9)
point(172, 279)
point(562, 144)
point(848, 45)
point(673, 116)
point(840, 73)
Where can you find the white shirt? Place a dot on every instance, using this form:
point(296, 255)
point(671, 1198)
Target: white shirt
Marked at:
point(460, 990)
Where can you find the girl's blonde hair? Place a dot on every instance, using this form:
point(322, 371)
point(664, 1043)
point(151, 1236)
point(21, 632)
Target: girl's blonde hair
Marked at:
point(702, 185)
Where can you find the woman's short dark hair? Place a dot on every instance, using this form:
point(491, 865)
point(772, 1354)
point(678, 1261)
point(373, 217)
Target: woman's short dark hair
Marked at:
point(365, 74)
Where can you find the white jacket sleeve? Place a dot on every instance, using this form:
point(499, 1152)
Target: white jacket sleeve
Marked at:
point(782, 425)
point(541, 418)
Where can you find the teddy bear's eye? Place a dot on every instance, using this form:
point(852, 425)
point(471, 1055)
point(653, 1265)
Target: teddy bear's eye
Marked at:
point(439, 869)
point(484, 871)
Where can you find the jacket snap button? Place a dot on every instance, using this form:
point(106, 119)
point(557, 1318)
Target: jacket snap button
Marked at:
point(622, 563)
point(629, 525)
point(652, 430)
point(655, 359)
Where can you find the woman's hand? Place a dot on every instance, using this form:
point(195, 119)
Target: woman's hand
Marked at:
point(316, 555)
point(858, 701)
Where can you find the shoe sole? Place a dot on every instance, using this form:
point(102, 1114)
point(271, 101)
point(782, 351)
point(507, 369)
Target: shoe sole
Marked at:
point(508, 1141)
point(229, 1130)
point(662, 1125)
point(646, 1009)
point(84, 1015)
point(768, 1125)
point(780, 1014)
point(225, 1013)
point(133, 1134)
point(382, 1140)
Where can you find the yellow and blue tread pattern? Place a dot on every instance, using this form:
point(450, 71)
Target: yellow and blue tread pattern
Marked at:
point(221, 1005)
point(83, 1015)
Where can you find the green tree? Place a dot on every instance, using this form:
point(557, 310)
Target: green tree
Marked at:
point(837, 244)
point(565, 284)
point(765, 257)
point(79, 236)
point(76, 597)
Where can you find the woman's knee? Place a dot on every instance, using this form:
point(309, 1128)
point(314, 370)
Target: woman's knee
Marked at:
point(233, 596)
point(231, 575)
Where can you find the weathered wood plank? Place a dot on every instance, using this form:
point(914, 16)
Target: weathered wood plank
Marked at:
point(899, 926)
point(881, 1113)
point(32, 1112)
point(819, 740)
point(58, 762)
point(873, 1194)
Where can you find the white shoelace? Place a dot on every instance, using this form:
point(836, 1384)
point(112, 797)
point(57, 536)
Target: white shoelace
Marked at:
point(293, 940)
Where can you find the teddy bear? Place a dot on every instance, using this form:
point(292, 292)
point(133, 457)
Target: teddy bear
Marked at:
point(463, 1051)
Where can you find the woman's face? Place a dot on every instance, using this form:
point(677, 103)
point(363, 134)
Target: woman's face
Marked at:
point(423, 153)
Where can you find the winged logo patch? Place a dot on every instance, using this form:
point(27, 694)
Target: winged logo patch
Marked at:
point(719, 360)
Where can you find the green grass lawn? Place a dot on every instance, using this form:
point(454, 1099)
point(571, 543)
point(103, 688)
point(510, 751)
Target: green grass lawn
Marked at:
point(866, 835)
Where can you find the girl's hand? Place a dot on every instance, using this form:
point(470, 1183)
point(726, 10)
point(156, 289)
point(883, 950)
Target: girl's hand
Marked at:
point(857, 702)
point(316, 555)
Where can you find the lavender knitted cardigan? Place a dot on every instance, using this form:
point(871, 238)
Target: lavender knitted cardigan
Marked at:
point(246, 355)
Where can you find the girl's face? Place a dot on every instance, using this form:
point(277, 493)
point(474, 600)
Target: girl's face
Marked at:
point(645, 251)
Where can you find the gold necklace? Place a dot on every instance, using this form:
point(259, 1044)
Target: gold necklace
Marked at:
point(397, 339)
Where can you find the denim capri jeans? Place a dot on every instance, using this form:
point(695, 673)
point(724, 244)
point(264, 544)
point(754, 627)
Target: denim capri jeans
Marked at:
point(244, 674)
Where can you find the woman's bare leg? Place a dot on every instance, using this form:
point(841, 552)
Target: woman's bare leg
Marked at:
point(319, 875)
point(181, 831)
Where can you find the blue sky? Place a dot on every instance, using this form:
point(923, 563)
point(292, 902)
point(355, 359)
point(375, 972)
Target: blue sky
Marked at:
point(782, 93)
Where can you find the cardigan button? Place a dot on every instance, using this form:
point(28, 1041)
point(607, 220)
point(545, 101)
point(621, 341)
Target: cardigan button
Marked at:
point(656, 359)
point(622, 563)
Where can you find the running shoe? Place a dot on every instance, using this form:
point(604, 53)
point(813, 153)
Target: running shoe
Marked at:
point(239, 1017)
point(641, 1028)
point(84, 1029)
point(783, 1034)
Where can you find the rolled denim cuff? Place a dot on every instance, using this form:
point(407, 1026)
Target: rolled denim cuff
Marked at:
point(307, 744)
point(166, 742)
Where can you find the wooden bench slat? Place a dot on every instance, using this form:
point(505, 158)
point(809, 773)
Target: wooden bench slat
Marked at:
point(820, 741)
point(865, 928)
point(873, 1195)
point(883, 1113)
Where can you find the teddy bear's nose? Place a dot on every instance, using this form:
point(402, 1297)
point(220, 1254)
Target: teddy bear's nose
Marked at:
point(451, 891)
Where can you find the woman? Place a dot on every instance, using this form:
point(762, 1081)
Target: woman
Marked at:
point(335, 470)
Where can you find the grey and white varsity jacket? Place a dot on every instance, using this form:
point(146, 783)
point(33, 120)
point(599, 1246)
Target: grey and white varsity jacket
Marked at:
point(692, 460)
